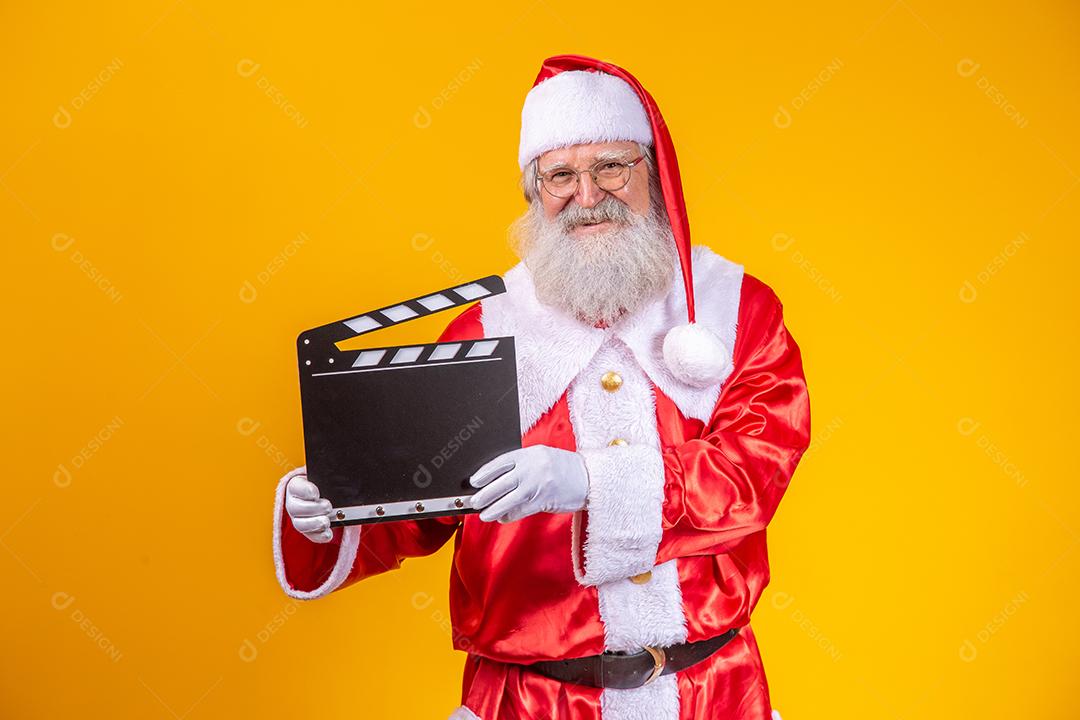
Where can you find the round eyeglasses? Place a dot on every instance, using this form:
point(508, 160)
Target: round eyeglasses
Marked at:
point(609, 175)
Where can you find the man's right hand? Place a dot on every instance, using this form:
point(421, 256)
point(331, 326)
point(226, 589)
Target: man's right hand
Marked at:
point(309, 512)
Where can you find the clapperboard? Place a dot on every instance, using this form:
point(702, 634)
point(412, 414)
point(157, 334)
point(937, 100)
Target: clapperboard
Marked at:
point(396, 432)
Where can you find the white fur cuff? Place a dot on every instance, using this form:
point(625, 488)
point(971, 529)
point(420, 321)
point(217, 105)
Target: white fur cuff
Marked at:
point(350, 542)
point(624, 506)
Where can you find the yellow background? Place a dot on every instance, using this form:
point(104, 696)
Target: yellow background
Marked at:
point(184, 186)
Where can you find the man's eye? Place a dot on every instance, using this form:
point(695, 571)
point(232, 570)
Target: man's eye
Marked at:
point(560, 176)
point(611, 165)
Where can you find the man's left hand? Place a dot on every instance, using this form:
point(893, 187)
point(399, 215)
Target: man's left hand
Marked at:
point(534, 479)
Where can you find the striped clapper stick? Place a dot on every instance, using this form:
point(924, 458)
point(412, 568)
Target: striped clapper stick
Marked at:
point(393, 433)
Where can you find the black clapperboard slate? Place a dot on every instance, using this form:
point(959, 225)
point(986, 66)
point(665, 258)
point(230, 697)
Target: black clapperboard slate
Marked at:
point(392, 433)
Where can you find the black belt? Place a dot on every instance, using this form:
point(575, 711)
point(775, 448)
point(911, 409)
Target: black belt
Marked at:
point(615, 670)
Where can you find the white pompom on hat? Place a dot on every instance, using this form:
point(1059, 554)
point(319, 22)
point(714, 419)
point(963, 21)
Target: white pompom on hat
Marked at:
point(577, 99)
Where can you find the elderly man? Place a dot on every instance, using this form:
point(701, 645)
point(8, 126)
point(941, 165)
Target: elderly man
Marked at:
point(616, 558)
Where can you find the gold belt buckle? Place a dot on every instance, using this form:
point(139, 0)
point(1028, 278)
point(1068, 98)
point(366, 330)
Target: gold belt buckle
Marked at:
point(659, 661)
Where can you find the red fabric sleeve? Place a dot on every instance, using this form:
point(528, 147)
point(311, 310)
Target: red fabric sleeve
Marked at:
point(727, 483)
point(308, 570)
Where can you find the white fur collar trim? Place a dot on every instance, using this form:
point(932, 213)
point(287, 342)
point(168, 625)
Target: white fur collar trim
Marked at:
point(553, 347)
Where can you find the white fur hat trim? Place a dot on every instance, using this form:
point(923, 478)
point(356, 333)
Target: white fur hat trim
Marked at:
point(578, 106)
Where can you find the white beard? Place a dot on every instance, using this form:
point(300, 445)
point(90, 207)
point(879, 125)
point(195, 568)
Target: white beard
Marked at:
point(600, 277)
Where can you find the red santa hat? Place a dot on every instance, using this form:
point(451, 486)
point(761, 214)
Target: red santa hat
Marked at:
point(577, 99)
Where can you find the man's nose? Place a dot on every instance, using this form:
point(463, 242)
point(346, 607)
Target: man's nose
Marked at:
point(588, 194)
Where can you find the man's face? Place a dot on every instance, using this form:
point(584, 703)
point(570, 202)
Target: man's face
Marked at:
point(635, 194)
point(597, 255)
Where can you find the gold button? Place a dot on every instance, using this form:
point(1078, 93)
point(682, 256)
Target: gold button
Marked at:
point(642, 578)
point(611, 381)
point(619, 441)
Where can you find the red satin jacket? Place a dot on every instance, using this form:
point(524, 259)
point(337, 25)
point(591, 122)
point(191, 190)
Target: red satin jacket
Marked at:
point(672, 545)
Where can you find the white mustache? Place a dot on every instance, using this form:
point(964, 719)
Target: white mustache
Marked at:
point(607, 209)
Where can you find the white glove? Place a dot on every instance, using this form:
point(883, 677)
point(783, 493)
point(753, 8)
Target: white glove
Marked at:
point(535, 479)
point(309, 512)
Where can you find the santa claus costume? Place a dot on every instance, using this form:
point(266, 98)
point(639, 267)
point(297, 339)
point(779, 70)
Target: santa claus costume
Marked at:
point(688, 454)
